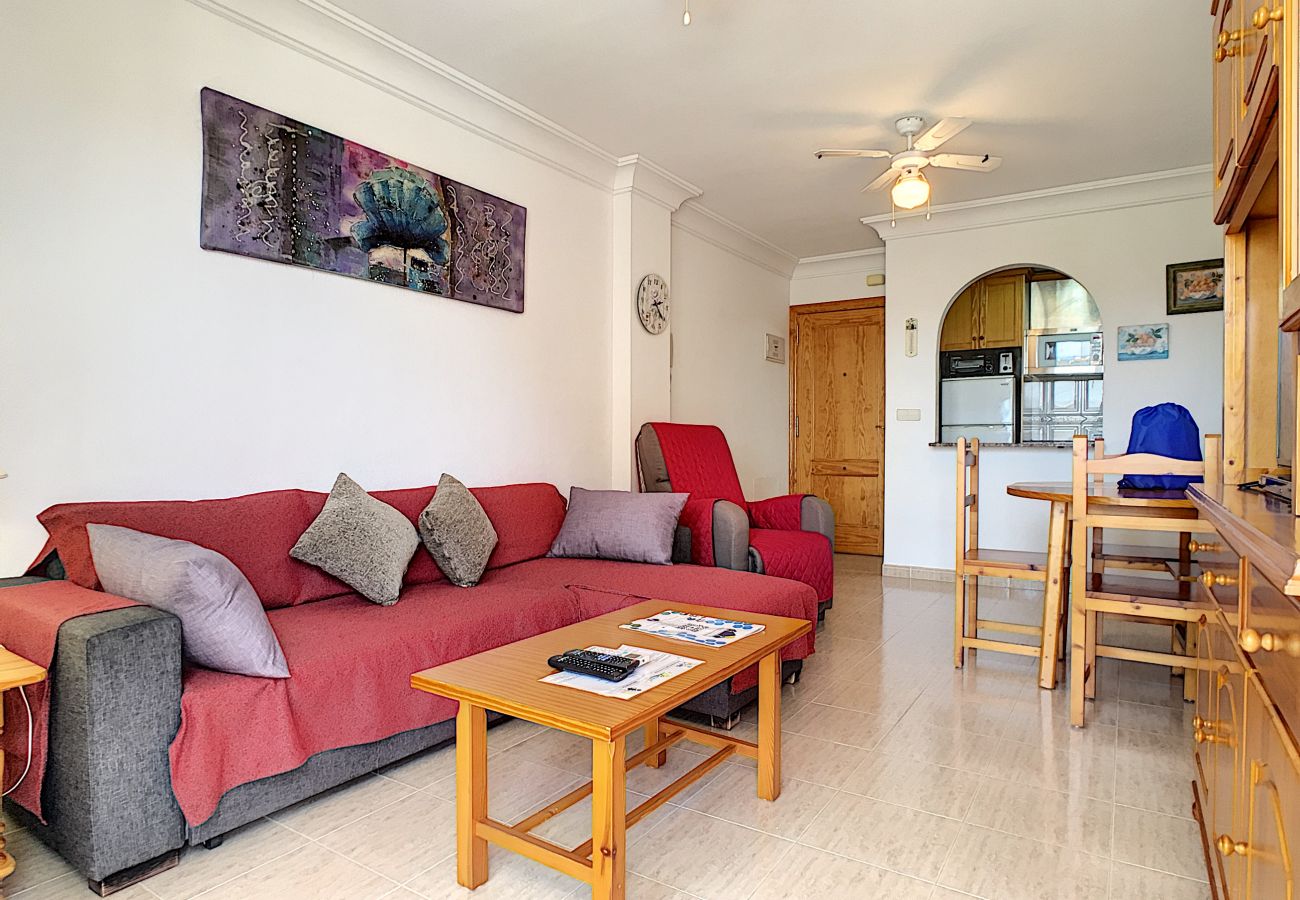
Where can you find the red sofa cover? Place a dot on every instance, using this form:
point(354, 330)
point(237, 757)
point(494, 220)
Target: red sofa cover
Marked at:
point(350, 661)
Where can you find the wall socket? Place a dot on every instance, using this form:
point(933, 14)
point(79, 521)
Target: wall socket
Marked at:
point(775, 348)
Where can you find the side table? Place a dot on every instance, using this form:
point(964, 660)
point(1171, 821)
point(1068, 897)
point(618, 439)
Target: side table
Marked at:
point(15, 671)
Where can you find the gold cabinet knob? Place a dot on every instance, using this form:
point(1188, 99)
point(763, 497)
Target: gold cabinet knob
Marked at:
point(1195, 546)
point(1253, 641)
point(1206, 736)
point(1264, 15)
point(1227, 846)
point(1211, 579)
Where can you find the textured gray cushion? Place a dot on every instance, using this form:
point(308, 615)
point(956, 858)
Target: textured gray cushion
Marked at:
point(619, 525)
point(223, 624)
point(458, 533)
point(361, 541)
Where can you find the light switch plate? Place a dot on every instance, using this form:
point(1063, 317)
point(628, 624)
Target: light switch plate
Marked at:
point(775, 348)
point(908, 415)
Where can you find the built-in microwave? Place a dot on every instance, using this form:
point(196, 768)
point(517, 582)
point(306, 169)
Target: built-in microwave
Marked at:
point(1069, 353)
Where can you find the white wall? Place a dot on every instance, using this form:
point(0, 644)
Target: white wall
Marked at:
point(1119, 255)
point(723, 306)
point(135, 365)
point(839, 276)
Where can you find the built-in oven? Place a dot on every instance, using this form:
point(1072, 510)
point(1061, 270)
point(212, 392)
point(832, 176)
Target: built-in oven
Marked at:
point(1063, 353)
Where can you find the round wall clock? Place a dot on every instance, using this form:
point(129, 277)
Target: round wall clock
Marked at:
point(652, 303)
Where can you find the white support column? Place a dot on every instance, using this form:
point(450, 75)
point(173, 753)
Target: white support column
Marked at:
point(645, 197)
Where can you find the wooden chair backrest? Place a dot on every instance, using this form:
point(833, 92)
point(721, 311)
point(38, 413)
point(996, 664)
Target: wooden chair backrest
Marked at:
point(968, 497)
point(1100, 465)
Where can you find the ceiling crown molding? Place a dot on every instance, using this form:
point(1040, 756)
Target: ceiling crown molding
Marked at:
point(637, 175)
point(721, 232)
point(1128, 191)
point(852, 262)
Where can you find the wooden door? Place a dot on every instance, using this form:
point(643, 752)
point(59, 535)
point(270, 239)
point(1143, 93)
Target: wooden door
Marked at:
point(837, 445)
point(1003, 319)
point(961, 325)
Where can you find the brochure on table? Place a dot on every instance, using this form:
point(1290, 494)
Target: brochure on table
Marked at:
point(655, 669)
point(693, 629)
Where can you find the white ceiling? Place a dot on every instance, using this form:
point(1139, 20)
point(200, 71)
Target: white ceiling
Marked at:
point(1064, 90)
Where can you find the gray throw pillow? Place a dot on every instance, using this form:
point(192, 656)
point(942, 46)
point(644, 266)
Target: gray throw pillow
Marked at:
point(223, 624)
point(361, 541)
point(458, 532)
point(619, 525)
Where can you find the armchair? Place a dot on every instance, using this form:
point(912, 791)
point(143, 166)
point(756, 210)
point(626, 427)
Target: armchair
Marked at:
point(788, 537)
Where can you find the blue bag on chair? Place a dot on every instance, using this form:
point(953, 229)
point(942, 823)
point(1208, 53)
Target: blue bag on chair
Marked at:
point(1166, 429)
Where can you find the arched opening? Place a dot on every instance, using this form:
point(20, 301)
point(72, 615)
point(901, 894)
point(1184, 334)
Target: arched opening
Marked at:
point(1020, 359)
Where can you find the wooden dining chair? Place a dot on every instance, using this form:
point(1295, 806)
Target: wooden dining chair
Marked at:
point(1173, 561)
point(974, 562)
point(1097, 594)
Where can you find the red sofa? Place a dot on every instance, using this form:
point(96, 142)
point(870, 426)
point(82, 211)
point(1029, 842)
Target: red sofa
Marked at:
point(198, 752)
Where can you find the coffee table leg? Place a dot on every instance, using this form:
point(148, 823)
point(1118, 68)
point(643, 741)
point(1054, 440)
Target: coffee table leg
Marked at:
point(769, 726)
point(652, 735)
point(608, 819)
point(471, 794)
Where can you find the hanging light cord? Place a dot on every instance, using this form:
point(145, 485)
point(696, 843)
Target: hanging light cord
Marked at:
point(30, 728)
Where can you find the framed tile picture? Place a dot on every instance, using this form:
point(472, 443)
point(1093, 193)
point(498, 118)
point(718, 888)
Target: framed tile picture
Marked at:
point(1142, 342)
point(1193, 287)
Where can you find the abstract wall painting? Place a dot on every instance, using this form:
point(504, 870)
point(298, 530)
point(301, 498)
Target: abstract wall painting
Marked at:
point(275, 188)
point(1143, 342)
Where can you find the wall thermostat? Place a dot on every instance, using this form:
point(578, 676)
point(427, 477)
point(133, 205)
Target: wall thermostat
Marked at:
point(775, 348)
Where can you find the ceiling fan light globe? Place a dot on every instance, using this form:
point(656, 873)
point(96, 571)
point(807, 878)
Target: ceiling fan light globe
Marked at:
point(910, 191)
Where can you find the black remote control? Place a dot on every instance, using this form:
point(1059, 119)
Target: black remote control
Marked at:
point(602, 665)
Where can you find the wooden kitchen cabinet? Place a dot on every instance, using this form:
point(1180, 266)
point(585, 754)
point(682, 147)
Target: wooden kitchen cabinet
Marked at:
point(1248, 44)
point(1225, 53)
point(989, 313)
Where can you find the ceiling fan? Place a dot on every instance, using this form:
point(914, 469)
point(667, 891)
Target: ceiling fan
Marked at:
point(910, 187)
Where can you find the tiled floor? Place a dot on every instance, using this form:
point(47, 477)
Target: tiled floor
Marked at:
point(903, 779)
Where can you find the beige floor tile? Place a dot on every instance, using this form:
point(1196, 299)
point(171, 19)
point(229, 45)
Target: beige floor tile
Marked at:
point(681, 760)
point(341, 805)
point(1058, 770)
point(813, 759)
point(871, 695)
point(35, 863)
point(311, 872)
point(504, 735)
point(423, 769)
point(1166, 692)
point(733, 796)
point(558, 749)
point(573, 826)
point(833, 723)
point(1155, 841)
point(515, 784)
point(243, 849)
point(1175, 720)
point(808, 872)
point(704, 856)
point(1030, 724)
point(1152, 783)
point(1133, 882)
point(881, 834)
point(510, 877)
point(917, 785)
point(73, 887)
point(401, 840)
point(1002, 866)
point(988, 716)
point(1068, 820)
point(941, 746)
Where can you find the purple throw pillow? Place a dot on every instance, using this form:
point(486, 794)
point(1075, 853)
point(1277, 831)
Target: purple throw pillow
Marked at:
point(223, 624)
point(619, 525)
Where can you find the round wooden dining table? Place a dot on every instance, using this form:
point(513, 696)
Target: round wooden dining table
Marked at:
point(1060, 494)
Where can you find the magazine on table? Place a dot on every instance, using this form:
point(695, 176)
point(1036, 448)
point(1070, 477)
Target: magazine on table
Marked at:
point(655, 669)
point(693, 629)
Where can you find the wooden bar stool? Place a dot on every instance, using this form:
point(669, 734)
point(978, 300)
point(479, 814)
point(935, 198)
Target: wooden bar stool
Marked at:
point(1151, 600)
point(973, 562)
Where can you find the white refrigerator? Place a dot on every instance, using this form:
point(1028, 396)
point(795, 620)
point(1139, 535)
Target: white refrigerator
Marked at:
point(981, 408)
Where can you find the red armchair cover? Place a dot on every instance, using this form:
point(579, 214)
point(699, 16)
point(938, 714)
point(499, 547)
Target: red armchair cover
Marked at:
point(699, 462)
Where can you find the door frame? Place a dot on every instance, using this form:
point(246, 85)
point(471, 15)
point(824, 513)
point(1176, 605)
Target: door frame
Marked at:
point(797, 314)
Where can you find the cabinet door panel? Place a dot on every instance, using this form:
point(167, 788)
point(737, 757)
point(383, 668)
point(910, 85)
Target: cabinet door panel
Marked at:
point(1004, 311)
point(1226, 55)
point(1258, 73)
point(960, 326)
point(1224, 758)
point(1271, 795)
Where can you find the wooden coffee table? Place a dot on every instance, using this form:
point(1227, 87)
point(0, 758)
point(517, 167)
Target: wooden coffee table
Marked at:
point(15, 671)
point(507, 679)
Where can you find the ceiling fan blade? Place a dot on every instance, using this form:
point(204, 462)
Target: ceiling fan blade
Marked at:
point(942, 130)
point(966, 162)
point(870, 154)
point(884, 179)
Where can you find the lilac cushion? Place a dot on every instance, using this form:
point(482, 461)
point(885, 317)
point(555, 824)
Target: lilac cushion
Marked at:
point(619, 525)
point(223, 624)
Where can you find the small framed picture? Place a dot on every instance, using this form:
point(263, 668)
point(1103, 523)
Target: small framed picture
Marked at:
point(1193, 287)
point(1143, 342)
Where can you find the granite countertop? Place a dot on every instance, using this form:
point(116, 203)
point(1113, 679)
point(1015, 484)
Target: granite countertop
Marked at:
point(1031, 445)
